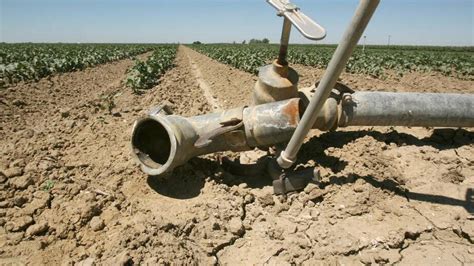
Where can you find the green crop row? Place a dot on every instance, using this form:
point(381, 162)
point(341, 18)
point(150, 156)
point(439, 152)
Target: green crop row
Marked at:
point(145, 74)
point(27, 61)
point(374, 61)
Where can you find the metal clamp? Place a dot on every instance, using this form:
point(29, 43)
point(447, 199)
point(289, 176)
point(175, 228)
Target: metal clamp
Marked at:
point(162, 108)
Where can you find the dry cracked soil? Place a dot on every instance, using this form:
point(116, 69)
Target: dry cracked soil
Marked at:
point(71, 193)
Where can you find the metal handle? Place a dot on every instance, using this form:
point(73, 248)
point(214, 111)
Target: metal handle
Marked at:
point(308, 27)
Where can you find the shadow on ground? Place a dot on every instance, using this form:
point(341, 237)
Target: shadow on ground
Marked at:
point(441, 139)
point(188, 180)
point(395, 187)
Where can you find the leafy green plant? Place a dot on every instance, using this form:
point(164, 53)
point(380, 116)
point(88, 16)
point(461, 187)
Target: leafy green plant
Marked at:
point(374, 61)
point(48, 185)
point(145, 74)
point(27, 61)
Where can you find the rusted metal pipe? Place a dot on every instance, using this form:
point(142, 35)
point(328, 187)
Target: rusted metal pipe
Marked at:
point(161, 142)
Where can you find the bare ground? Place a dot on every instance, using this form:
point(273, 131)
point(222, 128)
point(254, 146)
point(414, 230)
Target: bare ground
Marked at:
point(71, 193)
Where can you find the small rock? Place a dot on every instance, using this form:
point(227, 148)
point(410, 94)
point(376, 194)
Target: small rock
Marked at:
point(37, 229)
point(3, 178)
point(18, 103)
point(19, 224)
point(30, 167)
point(314, 214)
point(359, 185)
point(64, 113)
point(123, 259)
point(310, 187)
point(365, 259)
point(358, 188)
point(216, 226)
point(281, 207)
point(12, 172)
point(4, 204)
point(236, 227)
point(46, 165)
point(22, 182)
point(15, 238)
point(19, 201)
point(266, 199)
point(249, 198)
point(310, 204)
point(88, 211)
point(97, 223)
point(316, 194)
point(243, 186)
point(411, 234)
point(70, 124)
point(116, 114)
point(381, 260)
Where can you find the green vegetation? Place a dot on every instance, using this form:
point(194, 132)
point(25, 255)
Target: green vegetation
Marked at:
point(48, 185)
point(374, 61)
point(28, 61)
point(145, 74)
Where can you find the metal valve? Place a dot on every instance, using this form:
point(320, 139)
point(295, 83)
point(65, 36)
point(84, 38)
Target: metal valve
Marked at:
point(278, 81)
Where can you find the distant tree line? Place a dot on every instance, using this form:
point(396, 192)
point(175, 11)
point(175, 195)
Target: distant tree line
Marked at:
point(252, 41)
point(257, 41)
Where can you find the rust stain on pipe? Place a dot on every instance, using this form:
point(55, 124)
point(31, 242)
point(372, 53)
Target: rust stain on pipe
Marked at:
point(292, 111)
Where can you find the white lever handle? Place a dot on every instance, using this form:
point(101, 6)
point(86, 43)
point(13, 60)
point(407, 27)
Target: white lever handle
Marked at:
point(308, 27)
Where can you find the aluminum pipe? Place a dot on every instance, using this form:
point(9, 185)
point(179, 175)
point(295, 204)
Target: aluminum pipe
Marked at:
point(161, 142)
point(407, 109)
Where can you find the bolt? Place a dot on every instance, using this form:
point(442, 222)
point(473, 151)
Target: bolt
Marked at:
point(346, 99)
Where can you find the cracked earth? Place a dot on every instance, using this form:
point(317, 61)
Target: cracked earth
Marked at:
point(71, 193)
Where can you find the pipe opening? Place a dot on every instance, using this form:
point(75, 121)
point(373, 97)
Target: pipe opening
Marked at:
point(151, 143)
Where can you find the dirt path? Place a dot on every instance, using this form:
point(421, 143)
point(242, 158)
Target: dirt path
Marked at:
point(70, 191)
point(211, 99)
point(229, 85)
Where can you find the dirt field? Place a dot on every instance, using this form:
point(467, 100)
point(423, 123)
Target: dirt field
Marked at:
point(71, 193)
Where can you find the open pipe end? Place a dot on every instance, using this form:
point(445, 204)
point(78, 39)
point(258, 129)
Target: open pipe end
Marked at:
point(154, 144)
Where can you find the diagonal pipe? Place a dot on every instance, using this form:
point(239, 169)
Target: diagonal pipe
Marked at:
point(361, 18)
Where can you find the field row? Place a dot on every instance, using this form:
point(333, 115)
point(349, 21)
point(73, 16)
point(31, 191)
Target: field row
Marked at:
point(374, 60)
point(23, 62)
point(145, 74)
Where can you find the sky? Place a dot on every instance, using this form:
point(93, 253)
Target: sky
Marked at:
point(408, 22)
